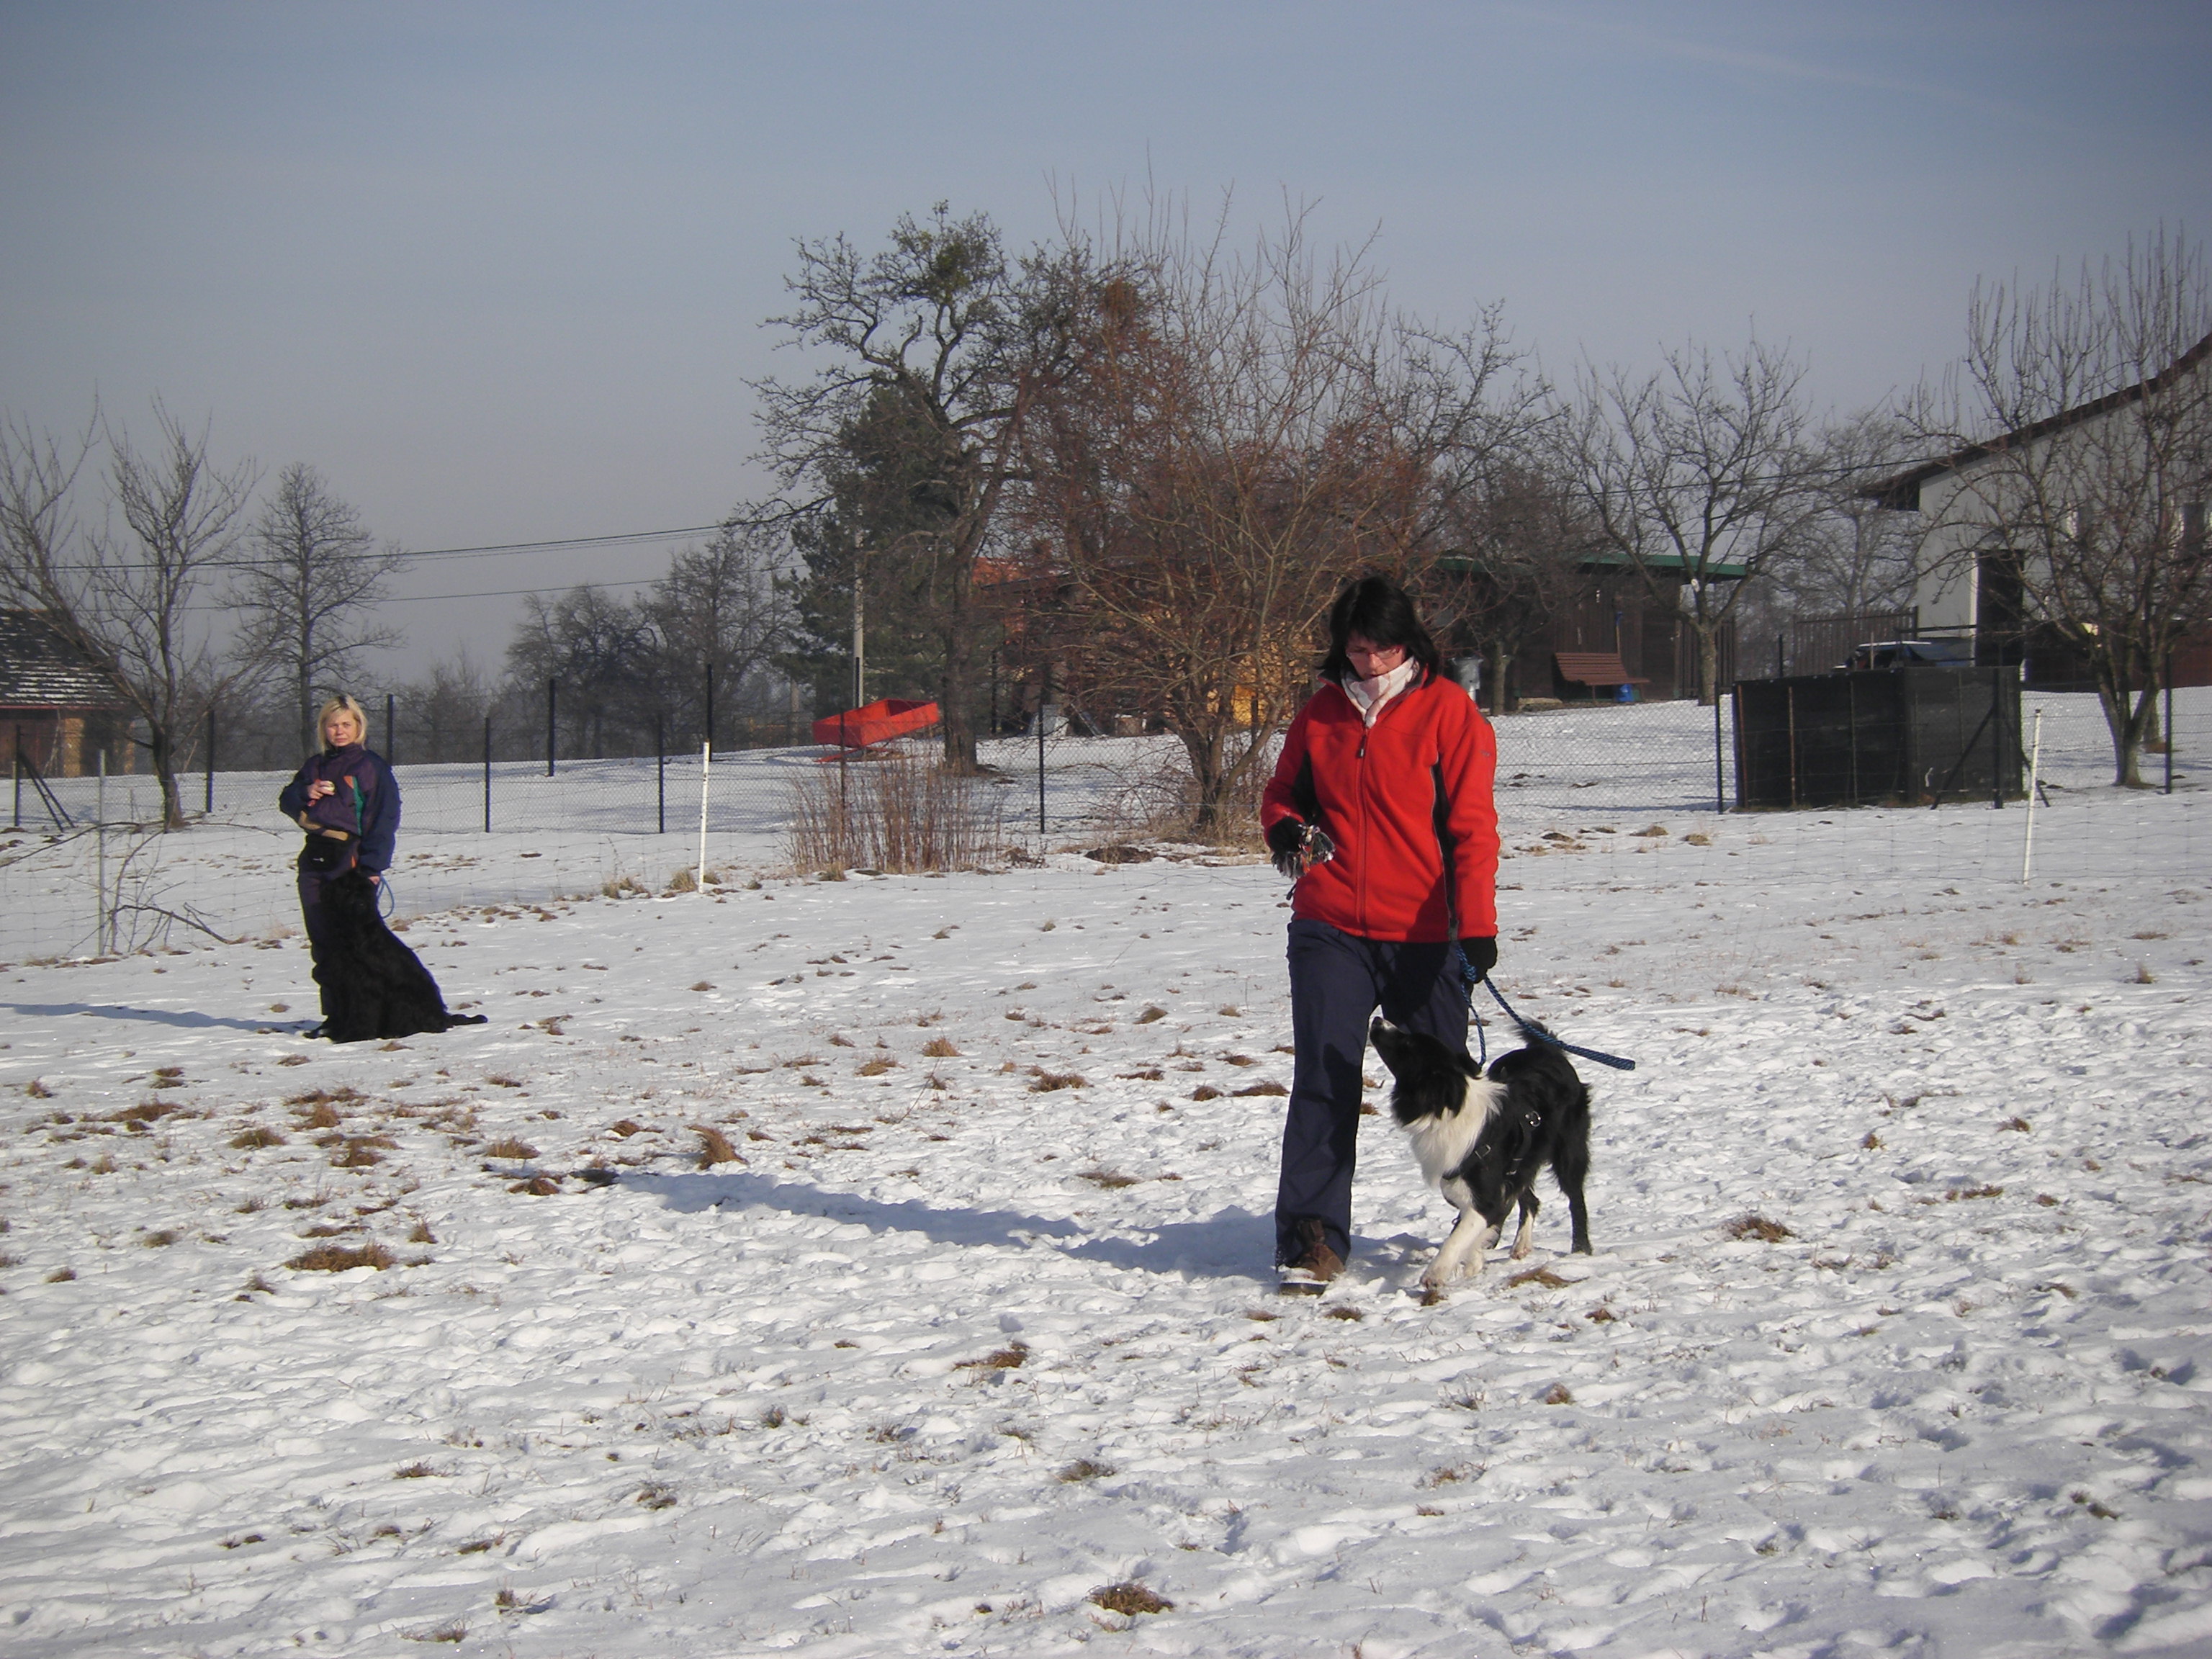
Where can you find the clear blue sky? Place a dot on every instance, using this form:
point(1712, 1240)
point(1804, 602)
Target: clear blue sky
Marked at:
point(498, 270)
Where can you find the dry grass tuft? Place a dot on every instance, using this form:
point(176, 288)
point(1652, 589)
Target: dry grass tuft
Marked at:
point(714, 1146)
point(1129, 1599)
point(941, 1048)
point(1560, 1396)
point(1757, 1227)
point(415, 1471)
point(877, 1066)
point(1543, 1276)
point(1152, 1012)
point(1051, 1082)
point(511, 1146)
point(1260, 1088)
point(1012, 1357)
point(1957, 1192)
point(1083, 1469)
point(61, 1275)
point(38, 1091)
point(656, 1495)
point(246, 1141)
point(340, 1258)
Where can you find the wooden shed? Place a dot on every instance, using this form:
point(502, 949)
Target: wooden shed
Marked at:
point(59, 707)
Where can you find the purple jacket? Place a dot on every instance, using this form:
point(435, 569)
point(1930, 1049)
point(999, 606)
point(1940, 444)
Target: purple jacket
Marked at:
point(364, 803)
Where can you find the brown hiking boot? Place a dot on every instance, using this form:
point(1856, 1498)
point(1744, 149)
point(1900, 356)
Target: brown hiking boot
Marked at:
point(1316, 1264)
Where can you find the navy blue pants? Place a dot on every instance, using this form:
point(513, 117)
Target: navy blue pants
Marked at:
point(1338, 980)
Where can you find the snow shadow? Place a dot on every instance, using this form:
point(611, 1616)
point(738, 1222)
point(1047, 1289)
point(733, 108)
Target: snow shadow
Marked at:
point(1232, 1244)
point(186, 1018)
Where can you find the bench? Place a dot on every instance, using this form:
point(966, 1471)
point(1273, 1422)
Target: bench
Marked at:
point(1594, 668)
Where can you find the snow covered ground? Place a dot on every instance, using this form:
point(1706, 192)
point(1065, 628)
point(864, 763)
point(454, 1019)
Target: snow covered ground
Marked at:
point(1898, 1338)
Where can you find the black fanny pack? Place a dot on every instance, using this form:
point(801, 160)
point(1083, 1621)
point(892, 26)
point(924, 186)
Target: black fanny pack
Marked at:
point(326, 855)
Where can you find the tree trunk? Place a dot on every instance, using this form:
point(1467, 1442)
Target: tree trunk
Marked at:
point(955, 700)
point(1709, 663)
point(1205, 752)
point(162, 752)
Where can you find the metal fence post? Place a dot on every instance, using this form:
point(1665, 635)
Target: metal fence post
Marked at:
point(2169, 718)
point(487, 774)
point(659, 779)
point(552, 740)
point(709, 733)
point(211, 761)
point(18, 765)
point(390, 700)
point(1720, 775)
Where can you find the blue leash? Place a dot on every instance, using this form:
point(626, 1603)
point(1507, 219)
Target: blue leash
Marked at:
point(1470, 980)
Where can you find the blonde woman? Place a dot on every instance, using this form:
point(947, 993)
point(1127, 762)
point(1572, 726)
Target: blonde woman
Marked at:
point(348, 801)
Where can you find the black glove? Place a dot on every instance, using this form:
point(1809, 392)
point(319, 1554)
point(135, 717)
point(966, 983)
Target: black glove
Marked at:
point(1481, 956)
point(1298, 847)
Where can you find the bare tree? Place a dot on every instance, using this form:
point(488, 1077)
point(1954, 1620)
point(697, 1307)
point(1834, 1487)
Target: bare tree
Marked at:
point(934, 349)
point(1235, 436)
point(1515, 543)
point(2090, 496)
point(304, 598)
point(1856, 553)
point(600, 651)
point(725, 606)
point(1697, 475)
point(126, 599)
point(445, 710)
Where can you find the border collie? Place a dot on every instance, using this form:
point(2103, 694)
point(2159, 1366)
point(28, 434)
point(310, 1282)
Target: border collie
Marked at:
point(1482, 1139)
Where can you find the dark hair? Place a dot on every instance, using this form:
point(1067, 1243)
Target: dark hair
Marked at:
point(1376, 609)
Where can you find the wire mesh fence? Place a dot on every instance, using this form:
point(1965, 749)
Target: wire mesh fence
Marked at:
point(513, 832)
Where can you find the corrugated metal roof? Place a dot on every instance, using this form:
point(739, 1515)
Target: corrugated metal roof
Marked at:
point(39, 668)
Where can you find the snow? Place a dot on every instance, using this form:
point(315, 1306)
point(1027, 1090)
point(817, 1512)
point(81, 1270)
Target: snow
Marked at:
point(951, 1349)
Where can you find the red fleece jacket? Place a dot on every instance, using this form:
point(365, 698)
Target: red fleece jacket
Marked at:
point(1408, 803)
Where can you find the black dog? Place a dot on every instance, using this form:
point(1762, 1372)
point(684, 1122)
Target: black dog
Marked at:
point(373, 985)
point(1482, 1141)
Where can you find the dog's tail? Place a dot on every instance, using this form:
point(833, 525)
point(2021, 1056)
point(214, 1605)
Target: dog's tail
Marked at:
point(453, 1020)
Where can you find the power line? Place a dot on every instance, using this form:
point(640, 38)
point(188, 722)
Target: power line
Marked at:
point(489, 550)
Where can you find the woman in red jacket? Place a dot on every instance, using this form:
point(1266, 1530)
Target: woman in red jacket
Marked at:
point(1381, 807)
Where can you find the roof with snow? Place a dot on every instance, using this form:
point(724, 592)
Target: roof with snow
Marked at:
point(42, 669)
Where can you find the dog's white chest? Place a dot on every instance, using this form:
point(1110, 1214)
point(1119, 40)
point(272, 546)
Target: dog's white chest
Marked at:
point(1441, 1143)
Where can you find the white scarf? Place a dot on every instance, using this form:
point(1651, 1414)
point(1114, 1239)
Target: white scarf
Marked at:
point(1368, 696)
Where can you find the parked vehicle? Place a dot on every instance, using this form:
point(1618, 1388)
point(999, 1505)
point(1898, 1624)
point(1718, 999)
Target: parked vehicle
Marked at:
point(1912, 654)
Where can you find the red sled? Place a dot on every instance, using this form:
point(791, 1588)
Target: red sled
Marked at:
point(879, 722)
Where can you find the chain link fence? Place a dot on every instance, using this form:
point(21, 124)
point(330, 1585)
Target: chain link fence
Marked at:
point(81, 870)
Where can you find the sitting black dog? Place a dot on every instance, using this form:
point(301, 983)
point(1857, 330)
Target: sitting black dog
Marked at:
point(373, 985)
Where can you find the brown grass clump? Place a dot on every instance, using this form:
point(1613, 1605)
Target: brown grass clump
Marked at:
point(1544, 1276)
point(1560, 1396)
point(321, 1115)
point(877, 1066)
point(511, 1146)
point(501, 1080)
point(292, 1059)
point(247, 1140)
point(1051, 1082)
point(1206, 1091)
point(714, 1146)
point(360, 1151)
point(626, 1127)
point(416, 1470)
point(542, 1186)
point(1757, 1227)
point(1260, 1088)
point(1152, 1012)
point(61, 1275)
point(1083, 1469)
point(1012, 1357)
point(941, 1048)
point(1109, 1179)
point(1129, 1599)
point(656, 1495)
point(343, 1095)
point(145, 1112)
point(38, 1091)
point(339, 1258)
point(1957, 1192)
